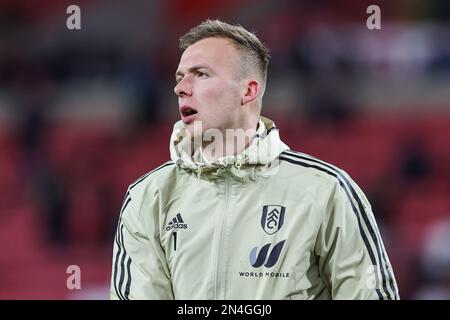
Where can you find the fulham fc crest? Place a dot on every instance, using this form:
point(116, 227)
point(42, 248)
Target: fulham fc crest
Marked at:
point(272, 218)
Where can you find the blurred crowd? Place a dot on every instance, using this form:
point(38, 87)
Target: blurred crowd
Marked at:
point(84, 113)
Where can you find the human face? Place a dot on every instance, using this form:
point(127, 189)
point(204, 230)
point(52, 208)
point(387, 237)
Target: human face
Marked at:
point(207, 87)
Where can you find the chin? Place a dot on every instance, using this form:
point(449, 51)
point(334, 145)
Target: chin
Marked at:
point(194, 128)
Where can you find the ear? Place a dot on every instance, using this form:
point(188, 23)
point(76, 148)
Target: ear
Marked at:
point(251, 91)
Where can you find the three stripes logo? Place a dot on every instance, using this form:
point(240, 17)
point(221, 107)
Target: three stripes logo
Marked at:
point(176, 223)
point(264, 257)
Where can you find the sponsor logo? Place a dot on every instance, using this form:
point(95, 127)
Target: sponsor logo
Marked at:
point(252, 274)
point(176, 223)
point(264, 257)
point(272, 218)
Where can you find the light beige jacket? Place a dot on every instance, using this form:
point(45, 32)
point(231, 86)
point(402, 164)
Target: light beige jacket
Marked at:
point(269, 223)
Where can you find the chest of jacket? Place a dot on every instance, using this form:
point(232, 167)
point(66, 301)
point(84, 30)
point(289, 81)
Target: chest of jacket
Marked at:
point(224, 239)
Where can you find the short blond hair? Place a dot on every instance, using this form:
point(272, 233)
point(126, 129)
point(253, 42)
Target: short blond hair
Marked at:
point(254, 53)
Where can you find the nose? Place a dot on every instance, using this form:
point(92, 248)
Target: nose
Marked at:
point(183, 88)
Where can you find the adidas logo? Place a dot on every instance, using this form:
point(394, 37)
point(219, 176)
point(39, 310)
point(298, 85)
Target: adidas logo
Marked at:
point(176, 223)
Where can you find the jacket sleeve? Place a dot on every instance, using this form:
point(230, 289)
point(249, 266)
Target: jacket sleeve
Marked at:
point(352, 260)
point(139, 268)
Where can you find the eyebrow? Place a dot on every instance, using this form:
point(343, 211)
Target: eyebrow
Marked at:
point(191, 70)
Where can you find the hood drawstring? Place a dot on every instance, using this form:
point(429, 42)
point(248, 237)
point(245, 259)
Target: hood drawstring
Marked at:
point(199, 172)
point(239, 162)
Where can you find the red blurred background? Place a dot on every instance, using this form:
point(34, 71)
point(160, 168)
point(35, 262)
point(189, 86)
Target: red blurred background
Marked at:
point(85, 112)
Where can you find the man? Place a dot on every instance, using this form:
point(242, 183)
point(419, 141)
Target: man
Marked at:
point(235, 214)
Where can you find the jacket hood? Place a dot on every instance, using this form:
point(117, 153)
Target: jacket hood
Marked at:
point(256, 160)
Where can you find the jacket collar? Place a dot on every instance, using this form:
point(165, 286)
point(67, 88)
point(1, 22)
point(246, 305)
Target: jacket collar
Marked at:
point(265, 147)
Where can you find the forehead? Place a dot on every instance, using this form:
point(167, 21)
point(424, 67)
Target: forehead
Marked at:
point(214, 52)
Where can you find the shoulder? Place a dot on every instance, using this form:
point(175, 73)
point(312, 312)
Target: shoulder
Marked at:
point(155, 178)
point(137, 200)
point(304, 166)
point(316, 172)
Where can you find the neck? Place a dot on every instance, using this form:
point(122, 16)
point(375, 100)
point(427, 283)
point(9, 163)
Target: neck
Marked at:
point(231, 142)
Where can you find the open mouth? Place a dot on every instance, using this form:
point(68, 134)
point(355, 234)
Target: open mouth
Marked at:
point(187, 111)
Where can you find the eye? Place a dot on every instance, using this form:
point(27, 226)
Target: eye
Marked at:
point(201, 74)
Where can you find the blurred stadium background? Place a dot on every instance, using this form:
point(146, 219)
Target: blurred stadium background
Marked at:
point(84, 113)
